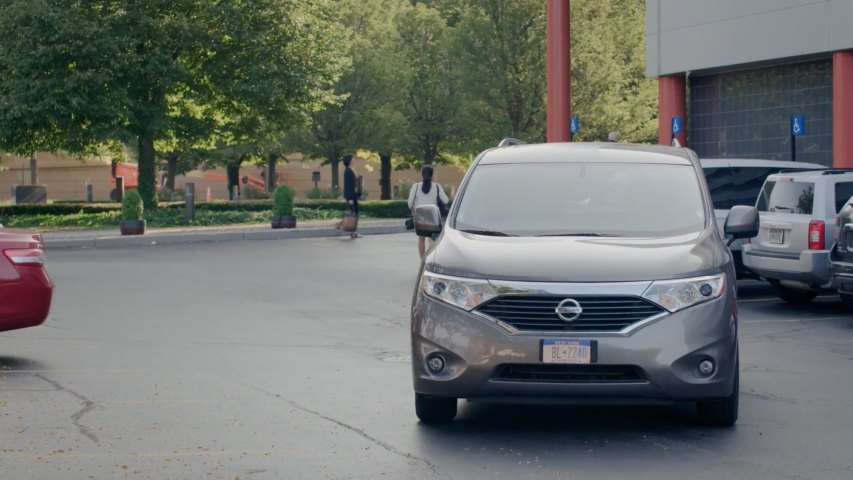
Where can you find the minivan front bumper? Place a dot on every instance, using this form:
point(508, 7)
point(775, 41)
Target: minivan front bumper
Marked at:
point(665, 353)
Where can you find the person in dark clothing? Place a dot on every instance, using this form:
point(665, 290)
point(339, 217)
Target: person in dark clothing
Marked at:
point(351, 188)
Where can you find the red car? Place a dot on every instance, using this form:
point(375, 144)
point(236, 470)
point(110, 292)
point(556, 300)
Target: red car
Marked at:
point(25, 288)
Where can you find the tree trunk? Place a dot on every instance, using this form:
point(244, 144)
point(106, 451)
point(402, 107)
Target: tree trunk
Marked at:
point(385, 175)
point(272, 159)
point(335, 162)
point(147, 182)
point(34, 170)
point(171, 170)
point(233, 172)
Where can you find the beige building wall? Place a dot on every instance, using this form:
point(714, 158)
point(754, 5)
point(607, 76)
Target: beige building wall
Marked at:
point(66, 177)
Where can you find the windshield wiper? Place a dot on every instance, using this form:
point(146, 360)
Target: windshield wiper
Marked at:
point(491, 233)
point(583, 234)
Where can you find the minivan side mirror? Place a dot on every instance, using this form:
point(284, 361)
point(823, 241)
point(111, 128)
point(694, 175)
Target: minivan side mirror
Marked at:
point(427, 219)
point(742, 222)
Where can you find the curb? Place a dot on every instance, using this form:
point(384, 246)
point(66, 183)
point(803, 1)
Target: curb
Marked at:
point(206, 237)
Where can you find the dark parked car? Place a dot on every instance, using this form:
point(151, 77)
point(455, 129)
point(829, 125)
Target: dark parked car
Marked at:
point(841, 256)
point(25, 288)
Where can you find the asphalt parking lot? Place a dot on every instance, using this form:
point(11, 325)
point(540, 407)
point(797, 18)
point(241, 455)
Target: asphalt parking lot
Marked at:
point(290, 359)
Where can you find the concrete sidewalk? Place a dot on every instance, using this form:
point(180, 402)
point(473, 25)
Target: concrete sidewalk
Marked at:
point(172, 236)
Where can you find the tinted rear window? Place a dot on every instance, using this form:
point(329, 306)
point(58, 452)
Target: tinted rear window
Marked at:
point(722, 188)
point(843, 192)
point(787, 197)
point(748, 182)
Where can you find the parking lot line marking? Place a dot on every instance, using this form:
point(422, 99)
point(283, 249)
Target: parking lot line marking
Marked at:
point(200, 453)
point(801, 319)
point(104, 403)
point(78, 370)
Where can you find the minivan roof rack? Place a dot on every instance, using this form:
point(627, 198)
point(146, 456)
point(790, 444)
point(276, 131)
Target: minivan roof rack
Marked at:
point(507, 142)
point(836, 171)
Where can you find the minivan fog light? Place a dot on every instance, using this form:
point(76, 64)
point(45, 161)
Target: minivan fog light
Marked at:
point(675, 295)
point(706, 367)
point(436, 363)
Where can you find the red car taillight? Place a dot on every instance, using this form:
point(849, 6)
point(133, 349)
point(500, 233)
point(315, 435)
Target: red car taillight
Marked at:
point(817, 235)
point(25, 256)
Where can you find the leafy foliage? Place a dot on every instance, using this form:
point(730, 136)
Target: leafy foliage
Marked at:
point(131, 206)
point(282, 202)
point(74, 75)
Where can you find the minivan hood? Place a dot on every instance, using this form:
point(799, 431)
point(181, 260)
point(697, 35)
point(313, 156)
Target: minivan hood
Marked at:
point(574, 259)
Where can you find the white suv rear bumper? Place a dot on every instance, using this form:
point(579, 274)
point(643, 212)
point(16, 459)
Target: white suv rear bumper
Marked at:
point(810, 267)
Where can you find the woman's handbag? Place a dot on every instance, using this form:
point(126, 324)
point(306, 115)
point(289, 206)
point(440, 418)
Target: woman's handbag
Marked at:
point(410, 224)
point(442, 208)
point(349, 222)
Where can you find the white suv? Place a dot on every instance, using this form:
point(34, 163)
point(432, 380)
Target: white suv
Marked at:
point(798, 213)
point(737, 181)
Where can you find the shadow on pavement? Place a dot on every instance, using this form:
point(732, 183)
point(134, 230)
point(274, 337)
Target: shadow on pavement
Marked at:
point(17, 364)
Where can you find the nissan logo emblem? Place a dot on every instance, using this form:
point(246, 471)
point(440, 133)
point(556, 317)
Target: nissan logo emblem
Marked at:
point(569, 310)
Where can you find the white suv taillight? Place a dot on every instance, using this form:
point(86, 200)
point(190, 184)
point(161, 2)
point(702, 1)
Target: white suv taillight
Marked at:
point(817, 235)
point(25, 256)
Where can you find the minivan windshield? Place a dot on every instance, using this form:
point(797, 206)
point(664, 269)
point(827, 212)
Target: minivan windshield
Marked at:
point(585, 199)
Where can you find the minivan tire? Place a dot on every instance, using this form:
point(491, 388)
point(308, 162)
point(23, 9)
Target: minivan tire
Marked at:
point(435, 409)
point(847, 300)
point(721, 412)
point(793, 295)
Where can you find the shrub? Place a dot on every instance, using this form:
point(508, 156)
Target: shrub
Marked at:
point(282, 203)
point(131, 206)
point(322, 194)
point(251, 193)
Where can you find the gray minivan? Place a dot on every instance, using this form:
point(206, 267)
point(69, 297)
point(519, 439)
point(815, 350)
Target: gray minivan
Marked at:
point(579, 273)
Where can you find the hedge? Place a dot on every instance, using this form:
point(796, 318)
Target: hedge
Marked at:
point(373, 208)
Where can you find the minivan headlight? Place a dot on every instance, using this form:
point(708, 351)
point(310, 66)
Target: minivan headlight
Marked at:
point(675, 295)
point(462, 292)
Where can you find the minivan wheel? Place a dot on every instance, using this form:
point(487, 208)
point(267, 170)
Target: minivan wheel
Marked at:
point(720, 412)
point(435, 409)
point(847, 299)
point(793, 295)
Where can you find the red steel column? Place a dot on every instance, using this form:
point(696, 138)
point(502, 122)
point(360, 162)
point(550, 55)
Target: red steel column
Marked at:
point(558, 68)
point(672, 102)
point(842, 109)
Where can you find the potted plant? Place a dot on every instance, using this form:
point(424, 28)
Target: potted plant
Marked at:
point(282, 208)
point(132, 222)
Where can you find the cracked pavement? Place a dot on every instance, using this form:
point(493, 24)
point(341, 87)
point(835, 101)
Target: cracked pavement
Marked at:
point(290, 359)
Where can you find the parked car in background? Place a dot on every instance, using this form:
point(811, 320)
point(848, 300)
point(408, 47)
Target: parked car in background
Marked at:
point(841, 256)
point(737, 181)
point(586, 273)
point(26, 289)
point(798, 214)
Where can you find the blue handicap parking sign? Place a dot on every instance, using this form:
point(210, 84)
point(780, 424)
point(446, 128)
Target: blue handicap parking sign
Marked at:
point(798, 125)
point(677, 124)
point(575, 124)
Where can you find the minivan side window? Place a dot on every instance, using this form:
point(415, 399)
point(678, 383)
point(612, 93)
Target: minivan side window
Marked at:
point(786, 197)
point(748, 182)
point(722, 188)
point(843, 192)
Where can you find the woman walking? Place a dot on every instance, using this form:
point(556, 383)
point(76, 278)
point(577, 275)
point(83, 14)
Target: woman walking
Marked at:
point(423, 193)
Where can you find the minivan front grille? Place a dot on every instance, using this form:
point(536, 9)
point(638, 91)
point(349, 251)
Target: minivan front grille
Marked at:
point(539, 312)
point(568, 373)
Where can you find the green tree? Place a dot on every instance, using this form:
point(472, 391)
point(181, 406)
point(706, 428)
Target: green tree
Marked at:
point(431, 83)
point(502, 47)
point(609, 89)
point(74, 75)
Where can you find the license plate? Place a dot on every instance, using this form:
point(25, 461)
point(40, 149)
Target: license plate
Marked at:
point(776, 235)
point(567, 351)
